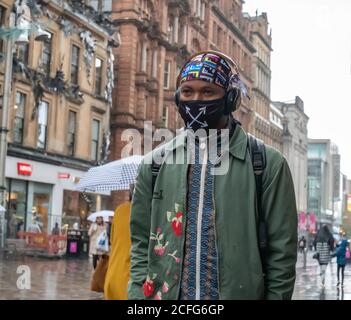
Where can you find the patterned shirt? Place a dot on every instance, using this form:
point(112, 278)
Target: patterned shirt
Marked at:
point(200, 267)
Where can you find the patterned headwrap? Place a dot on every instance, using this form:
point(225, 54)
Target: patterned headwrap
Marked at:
point(213, 68)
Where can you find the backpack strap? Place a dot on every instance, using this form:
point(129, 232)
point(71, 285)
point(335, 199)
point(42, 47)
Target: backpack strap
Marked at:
point(257, 151)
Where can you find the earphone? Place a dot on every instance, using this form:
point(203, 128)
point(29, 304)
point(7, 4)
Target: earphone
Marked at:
point(232, 96)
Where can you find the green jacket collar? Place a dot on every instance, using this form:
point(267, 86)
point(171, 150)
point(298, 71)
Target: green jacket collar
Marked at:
point(237, 143)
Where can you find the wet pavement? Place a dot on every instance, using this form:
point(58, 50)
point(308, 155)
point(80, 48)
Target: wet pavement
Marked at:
point(308, 284)
point(63, 279)
point(50, 279)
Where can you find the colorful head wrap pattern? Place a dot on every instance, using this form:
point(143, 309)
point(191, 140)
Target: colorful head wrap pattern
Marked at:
point(212, 68)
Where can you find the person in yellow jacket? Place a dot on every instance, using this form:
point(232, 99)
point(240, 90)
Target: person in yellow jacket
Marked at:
point(117, 276)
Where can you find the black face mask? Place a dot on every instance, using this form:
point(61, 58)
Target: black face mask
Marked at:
point(198, 114)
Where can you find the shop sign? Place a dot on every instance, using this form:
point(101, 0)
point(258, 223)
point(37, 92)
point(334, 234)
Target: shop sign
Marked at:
point(24, 169)
point(62, 175)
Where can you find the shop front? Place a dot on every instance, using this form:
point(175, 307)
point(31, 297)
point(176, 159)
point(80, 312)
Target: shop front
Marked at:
point(41, 195)
point(28, 204)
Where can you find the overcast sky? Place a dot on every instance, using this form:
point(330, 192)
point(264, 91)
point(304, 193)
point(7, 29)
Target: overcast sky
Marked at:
point(311, 58)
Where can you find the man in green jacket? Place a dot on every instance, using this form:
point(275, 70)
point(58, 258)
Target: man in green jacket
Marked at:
point(194, 231)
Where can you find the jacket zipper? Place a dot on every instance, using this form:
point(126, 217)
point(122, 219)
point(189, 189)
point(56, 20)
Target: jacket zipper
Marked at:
point(199, 221)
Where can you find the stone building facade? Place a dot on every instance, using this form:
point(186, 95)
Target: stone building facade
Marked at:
point(59, 112)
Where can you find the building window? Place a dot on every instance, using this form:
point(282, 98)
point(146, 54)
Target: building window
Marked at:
point(2, 23)
point(165, 116)
point(42, 124)
point(143, 58)
point(101, 5)
point(41, 200)
point(95, 139)
point(98, 76)
point(23, 52)
point(19, 117)
point(220, 36)
point(196, 45)
point(74, 64)
point(203, 10)
point(170, 31)
point(199, 8)
point(154, 63)
point(71, 134)
point(184, 33)
point(214, 35)
point(166, 75)
point(17, 201)
point(45, 64)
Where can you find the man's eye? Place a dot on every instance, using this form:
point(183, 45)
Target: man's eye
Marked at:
point(208, 92)
point(186, 92)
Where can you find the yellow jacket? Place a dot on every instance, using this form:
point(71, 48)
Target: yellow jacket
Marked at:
point(117, 276)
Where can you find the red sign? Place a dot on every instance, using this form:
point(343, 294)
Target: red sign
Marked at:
point(24, 169)
point(63, 175)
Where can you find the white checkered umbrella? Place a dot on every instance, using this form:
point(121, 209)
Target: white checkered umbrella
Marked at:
point(116, 175)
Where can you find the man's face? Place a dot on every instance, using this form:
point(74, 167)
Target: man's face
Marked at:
point(200, 90)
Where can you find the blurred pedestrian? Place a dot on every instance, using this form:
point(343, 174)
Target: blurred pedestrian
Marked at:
point(324, 246)
point(95, 230)
point(56, 230)
point(302, 244)
point(340, 255)
point(117, 276)
point(109, 228)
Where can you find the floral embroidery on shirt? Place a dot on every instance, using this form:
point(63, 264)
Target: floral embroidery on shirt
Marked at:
point(165, 287)
point(176, 219)
point(158, 296)
point(159, 248)
point(173, 255)
point(149, 286)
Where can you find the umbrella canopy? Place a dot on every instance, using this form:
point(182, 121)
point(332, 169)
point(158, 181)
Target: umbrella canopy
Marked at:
point(116, 175)
point(104, 213)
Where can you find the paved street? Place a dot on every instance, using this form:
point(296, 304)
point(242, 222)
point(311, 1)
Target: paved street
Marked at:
point(307, 285)
point(50, 279)
point(70, 279)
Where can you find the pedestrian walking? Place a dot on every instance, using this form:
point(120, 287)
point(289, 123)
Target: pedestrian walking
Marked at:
point(56, 230)
point(194, 229)
point(117, 277)
point(95, 231)
point(324, 246)
point(340, 254)
point(302, 244)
